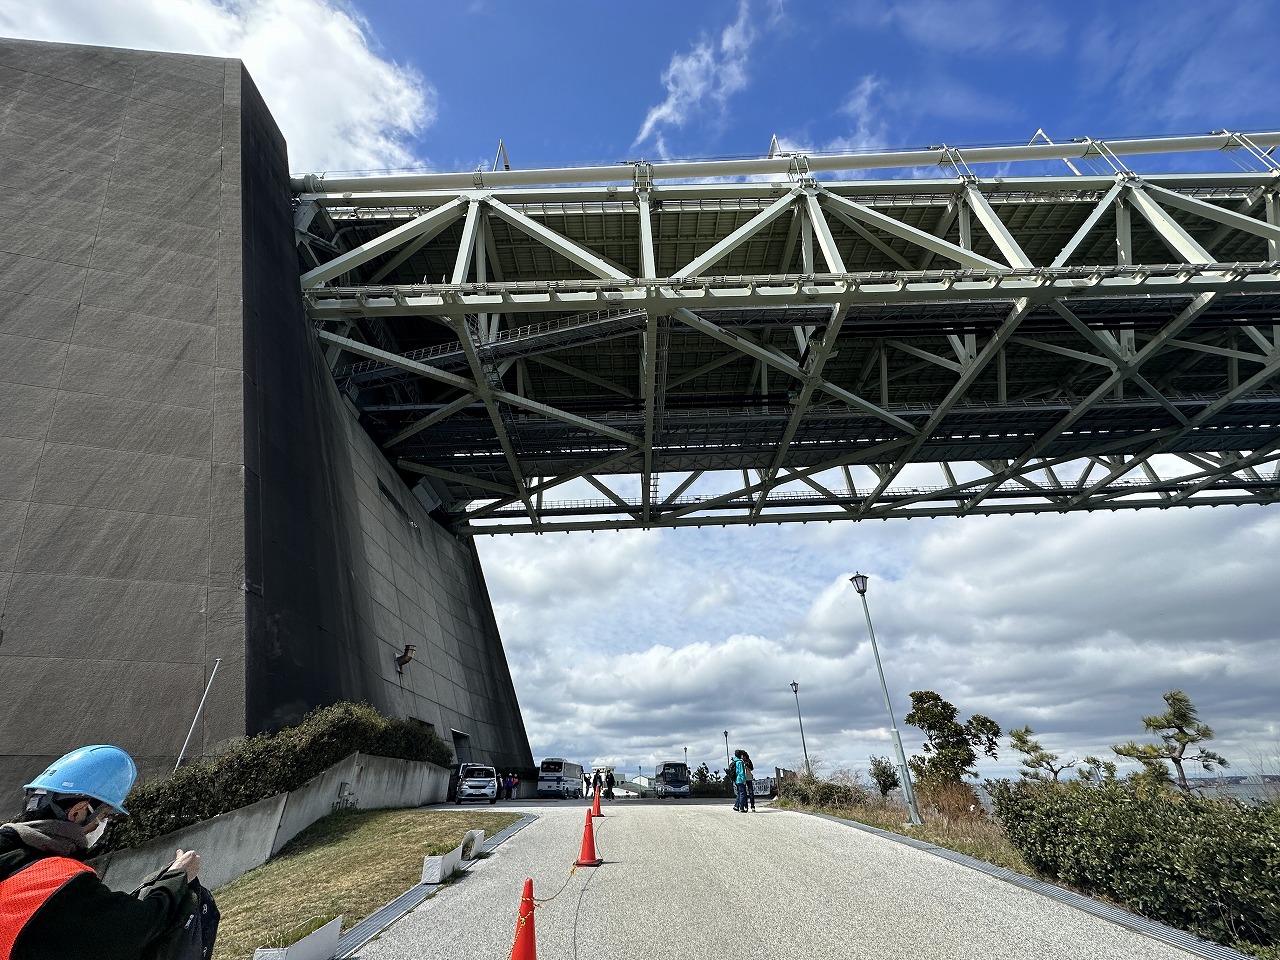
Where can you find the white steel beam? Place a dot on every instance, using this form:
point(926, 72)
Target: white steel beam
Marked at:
point(1168, 229)
point(431, 223)
point(995, 227)
point(789, 367)
point(909, 233)
point(467, 246)
point(822, 233)
point(738, 237)
point(780, 166)
point(462, 326)
point(458, 478)
point(462, 383)
point(1211, 211)
point(965, 380)
point(811, 382)
point(1090, 222)
point(1128, 369)
point(430, 420)
point(579, 254)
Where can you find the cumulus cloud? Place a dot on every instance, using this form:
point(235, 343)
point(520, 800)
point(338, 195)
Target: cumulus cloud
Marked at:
point(701, 80)
point(339, 103)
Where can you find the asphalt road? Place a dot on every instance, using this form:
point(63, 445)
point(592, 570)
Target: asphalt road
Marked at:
point(698, 880)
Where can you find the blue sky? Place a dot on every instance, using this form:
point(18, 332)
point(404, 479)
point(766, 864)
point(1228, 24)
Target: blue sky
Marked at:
point(628, 647)
point(582, 82)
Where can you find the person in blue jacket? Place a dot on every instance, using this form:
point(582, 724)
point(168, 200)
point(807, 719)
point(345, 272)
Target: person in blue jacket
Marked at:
point(739, 771)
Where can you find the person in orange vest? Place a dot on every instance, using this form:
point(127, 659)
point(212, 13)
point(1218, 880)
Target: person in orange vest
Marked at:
point(52, 905)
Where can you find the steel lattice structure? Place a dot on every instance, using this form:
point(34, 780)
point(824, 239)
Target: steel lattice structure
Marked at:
point(741, 341)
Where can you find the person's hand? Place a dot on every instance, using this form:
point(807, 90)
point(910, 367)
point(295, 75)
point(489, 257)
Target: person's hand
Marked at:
point(188, 861)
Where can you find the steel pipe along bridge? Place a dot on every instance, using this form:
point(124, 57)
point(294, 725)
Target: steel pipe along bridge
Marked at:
point(810, 338)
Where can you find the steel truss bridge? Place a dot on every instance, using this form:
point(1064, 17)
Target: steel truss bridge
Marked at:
point(790, 339)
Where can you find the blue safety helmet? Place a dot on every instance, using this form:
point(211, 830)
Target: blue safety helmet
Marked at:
point(102, 772)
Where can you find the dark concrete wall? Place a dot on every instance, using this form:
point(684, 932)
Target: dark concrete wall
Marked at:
point(179, 480)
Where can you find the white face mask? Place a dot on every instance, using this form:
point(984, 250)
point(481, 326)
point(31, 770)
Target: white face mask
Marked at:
point(94, 835)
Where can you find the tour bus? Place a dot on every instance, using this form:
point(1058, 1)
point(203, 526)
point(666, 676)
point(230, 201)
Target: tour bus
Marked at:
point(560, 778)
point(671, 779)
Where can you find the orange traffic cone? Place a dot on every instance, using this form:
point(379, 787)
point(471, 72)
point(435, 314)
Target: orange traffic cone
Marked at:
point(587, 857)
point(524, 948)
point(595, 807)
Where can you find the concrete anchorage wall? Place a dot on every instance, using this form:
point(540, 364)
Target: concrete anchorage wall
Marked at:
point(120, 444)
point(179, 479)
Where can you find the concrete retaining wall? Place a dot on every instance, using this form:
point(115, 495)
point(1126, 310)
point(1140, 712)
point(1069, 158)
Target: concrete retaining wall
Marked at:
point(232, 844)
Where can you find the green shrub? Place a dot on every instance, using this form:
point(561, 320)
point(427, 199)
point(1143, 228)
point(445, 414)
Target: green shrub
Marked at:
point(268, 764)
point(1204, 865)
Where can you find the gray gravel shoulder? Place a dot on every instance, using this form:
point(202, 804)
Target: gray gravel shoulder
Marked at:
point(699, 877)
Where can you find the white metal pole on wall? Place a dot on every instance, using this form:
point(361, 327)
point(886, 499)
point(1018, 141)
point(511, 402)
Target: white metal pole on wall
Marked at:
point(196, 718)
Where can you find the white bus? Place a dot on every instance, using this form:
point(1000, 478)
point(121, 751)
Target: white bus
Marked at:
point(671, 779)
point(560, 778)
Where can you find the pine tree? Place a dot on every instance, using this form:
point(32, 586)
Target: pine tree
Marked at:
point(1179, 727)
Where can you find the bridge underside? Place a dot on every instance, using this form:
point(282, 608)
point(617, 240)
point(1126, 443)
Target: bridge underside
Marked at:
point(619, 347)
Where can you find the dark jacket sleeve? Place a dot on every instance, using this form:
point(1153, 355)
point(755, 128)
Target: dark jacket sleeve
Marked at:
point(86, 920)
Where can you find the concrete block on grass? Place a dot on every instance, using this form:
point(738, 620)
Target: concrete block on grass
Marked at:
point(439, 869)
point(319, 944)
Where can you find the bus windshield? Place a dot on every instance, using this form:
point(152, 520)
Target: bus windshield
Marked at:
point(552, 766)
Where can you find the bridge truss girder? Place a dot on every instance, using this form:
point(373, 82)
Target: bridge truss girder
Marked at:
point(803, 350)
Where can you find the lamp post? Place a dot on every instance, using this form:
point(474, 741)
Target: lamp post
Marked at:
point(686, 759)
point(727, 762)
point(859, 581)
point(795, 688)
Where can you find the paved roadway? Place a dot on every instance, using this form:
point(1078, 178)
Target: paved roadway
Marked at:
point(697, 880)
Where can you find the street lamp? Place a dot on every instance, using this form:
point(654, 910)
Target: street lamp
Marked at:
point(686, 759)
point(727, 762)
point(859, 581)
point(795, 688)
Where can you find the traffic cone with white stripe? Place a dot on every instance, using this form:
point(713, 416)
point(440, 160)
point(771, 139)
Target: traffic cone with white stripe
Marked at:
point(587, 857)
point(524, 947)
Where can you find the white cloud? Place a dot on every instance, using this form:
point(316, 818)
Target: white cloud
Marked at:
point(976, 27)
point(338, 102)
point(1073, 624)
point(1194, 72)
point(869, 132)
point(700, 80)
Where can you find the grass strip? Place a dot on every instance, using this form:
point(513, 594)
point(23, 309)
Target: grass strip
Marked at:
point(974, 836)
point(352, 862)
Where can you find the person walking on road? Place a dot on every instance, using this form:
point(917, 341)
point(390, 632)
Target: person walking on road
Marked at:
point(751, 786)
point(739, 771)
point(53, 905)
point(609, 784)
point(597, 783)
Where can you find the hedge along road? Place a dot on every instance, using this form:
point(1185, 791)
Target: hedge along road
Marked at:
point(697, 880)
